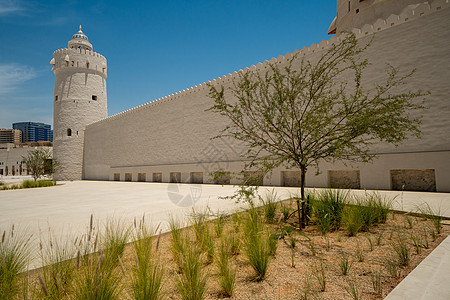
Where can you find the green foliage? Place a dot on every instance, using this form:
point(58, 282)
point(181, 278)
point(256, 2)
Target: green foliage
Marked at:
point(256, 243)
point(303, 112)
point(319, 274)
point(328, 207)
point(148, 271)
point(15, 255)
point(176, 243)
point(226, 273)
point(40, 162)
point(344, 264)
point(270, 202)
point(57, 275)
point(401, 249)
point(360, 255)
point(433, 214)
point(191, 283)
point(285, 210)
point(352, 289)
point(114, 240)
point(391, 265)
point(219, 223)
point(98, 280)
point(377, 283)
point(352, 220)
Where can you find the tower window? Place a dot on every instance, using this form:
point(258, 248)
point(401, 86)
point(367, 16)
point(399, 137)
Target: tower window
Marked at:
point(73, 63)
point(87, 65)
point(56, 98)
point(69, 132)
point(357, 10)
point(94, 97)
point(349, 6)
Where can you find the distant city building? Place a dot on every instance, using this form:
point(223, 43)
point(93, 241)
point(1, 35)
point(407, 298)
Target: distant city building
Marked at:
point(34, 131)
point(10, 136)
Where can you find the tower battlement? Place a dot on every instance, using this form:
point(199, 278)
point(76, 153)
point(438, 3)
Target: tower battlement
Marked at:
point(79, 99)
point(79, 58)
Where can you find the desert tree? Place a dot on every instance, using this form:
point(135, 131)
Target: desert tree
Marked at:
point(317, 110)
point(40, 162)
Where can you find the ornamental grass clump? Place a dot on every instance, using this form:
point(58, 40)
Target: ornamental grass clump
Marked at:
point(15, 253)
point(147, 274)
point(256, 244)
point(57, 274)
point(115, 239)
point(226, 272)
point(270, 203)
point(191, 283)
point(328, 207)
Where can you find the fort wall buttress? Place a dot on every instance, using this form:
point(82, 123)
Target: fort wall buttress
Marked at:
point(176, 130)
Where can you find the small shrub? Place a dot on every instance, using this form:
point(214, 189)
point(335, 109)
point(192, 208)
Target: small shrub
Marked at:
point(207, 243)
point(27, 184)
point(226, 273)
point(344, 264)
point(234, 242)
point(273, 243)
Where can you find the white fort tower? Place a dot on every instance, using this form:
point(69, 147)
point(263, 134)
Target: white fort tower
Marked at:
point(79, 100)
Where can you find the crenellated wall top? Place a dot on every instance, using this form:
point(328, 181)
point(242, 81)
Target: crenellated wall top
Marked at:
point(408, 14)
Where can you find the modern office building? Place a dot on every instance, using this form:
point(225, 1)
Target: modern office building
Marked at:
point(10, 136)
point(34, 131)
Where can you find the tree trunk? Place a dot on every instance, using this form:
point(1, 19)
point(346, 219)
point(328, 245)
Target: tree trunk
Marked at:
point(302, 193)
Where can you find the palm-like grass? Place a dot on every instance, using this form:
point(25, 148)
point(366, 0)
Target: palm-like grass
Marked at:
point(14, 257)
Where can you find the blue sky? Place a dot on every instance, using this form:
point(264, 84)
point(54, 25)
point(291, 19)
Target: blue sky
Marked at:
point(153, 48)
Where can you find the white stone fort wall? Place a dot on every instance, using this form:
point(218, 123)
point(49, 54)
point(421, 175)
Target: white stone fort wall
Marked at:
point(173, 134)
point(79, 99)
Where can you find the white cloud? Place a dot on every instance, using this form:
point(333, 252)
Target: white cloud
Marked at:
point(8, 7)
point(13, 75)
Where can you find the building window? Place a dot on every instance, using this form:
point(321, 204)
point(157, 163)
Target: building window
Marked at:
point(196, 177)
point(175, 177)
point(69, 132)
point(357, 10)
point(56, 98)
point(128, 176)
point(157, 177)
point(73, 63)
point(141, 177)
point(87, 65)
point(348, 6)
point(116, 176)
point(94, 97)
